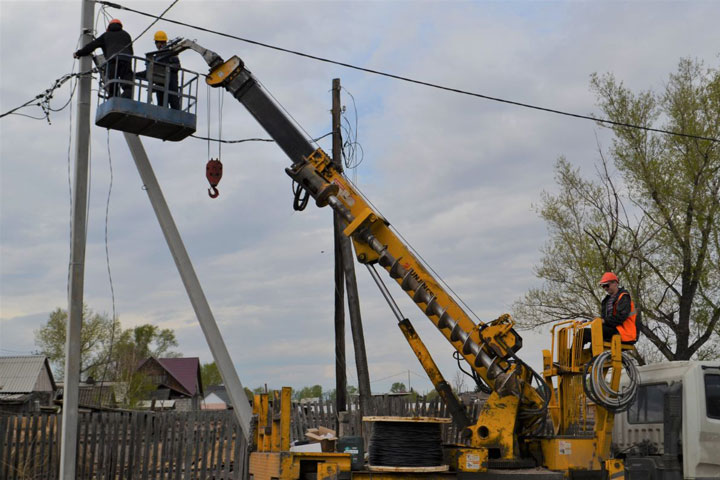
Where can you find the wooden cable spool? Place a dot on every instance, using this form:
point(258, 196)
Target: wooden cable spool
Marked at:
point(406, 444)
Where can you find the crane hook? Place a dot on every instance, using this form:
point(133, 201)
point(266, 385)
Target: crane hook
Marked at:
point(213, 172)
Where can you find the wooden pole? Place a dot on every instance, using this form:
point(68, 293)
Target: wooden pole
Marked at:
point(348, 264)
point(340, 364)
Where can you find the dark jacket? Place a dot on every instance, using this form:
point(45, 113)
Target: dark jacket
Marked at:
point(623, 308)
point(114, 41)
point(162, 58)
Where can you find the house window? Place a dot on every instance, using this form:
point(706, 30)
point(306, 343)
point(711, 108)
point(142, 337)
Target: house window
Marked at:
point(712, 395)
point(649, 404)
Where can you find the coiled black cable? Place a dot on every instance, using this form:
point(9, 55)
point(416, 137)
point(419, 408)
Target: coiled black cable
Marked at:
point(406, 444)
point(300, 197)
point(599, 391)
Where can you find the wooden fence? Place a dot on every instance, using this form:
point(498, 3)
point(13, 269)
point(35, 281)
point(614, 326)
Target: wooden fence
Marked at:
point(126, 445)
point(200, 445)
point(322, 413)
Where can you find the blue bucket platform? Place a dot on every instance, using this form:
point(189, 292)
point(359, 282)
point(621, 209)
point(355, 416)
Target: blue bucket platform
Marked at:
point(135, 109)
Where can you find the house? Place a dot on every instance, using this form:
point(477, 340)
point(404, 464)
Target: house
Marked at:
point(216, 398)
point(92, 395)
point(175, 379)
point(26, 383)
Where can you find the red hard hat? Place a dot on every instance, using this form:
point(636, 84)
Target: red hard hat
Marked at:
point(115, 20)
point(608, 277)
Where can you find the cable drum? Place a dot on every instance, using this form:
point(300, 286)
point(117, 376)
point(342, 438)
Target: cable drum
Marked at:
point(598, 389)
point(406, 443)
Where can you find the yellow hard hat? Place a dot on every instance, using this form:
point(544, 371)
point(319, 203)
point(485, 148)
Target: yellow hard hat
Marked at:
point(160, 36)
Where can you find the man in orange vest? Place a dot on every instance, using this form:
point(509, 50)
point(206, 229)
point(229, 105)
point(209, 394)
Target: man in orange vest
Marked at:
point(617, 312)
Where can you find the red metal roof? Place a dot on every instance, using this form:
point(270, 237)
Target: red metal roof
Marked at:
point(186, 370)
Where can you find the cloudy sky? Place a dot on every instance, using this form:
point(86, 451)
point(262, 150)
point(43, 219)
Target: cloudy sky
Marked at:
point(456, 175)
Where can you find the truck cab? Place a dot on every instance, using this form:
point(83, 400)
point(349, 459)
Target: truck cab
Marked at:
point(662, 438)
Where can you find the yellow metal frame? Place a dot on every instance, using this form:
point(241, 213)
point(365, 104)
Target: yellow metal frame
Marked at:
point(576, 445)
point(272, 458)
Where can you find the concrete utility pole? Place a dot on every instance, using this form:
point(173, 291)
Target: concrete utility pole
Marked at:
point(340, 364)
point(68, 440)
point(241, 405)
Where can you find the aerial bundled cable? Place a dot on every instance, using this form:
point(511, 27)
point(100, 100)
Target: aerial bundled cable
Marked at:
point(411, 80)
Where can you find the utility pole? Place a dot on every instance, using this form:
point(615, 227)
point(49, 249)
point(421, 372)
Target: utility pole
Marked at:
point(348, 265)
point(340, 364)
point(68, 440)
point(241, 406)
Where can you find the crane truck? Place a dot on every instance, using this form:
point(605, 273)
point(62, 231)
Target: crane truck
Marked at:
point(559, 420)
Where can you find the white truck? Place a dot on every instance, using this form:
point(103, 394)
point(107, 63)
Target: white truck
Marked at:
point(672, 431)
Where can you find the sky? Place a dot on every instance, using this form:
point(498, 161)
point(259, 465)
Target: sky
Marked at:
point(459, 177)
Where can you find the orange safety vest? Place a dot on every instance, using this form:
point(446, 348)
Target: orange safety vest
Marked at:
point(628, 331)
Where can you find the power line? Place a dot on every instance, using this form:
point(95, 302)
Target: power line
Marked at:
point(243, 140)
point(411, 80)
point(45, 97)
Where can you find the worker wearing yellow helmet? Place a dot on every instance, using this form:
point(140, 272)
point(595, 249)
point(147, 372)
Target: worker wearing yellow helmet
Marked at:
point(161, 36)
point(164, 80)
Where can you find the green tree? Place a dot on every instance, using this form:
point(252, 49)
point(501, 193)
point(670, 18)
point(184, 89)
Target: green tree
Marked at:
point(654, 219)
point(210, 375)
point(138, 343)
point(398, 387)
point(249, 394)
point(432, 395)
point(308, 392)
point(95, 337)
point(351, 391)
point(131, 348)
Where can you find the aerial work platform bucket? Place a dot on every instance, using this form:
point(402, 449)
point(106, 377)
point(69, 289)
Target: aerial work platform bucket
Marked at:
point(125, 99)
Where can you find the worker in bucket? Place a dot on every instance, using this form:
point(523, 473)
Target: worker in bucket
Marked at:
point(166, 65)
point(116, 45)
point(617, 311)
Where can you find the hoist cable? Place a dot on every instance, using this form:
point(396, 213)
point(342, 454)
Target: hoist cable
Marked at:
point(208, 109)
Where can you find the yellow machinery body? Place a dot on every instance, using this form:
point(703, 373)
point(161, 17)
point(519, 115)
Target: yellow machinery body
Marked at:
point(272, 458)
point(509, 427)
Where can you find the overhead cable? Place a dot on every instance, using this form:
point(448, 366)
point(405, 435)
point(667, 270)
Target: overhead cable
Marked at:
point(410, 80)
point(243, 140)
point(45, 97)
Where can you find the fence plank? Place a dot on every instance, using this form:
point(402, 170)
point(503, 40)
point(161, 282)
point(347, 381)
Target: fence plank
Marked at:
point(170, 448)
point(114, 448)
point(178, 450)
point(157, 442)
point(137, 434)
point(53, 441)
point(5, 431)
point(218, 447)
point(212, 434)
point(125, 426)
point(41, 439)
point(228, 449)
point(146, 425)
point(33, 442)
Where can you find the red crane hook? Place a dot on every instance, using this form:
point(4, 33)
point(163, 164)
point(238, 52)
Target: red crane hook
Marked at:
point(213, 172)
